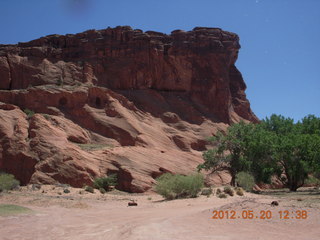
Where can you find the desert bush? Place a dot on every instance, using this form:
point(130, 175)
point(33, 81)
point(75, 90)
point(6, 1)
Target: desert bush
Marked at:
point(66, 190)
point(245, 180)
point(178, 186)
point(105, 182)
point(239, 191)
point(29, 112)
point(8, 182)
point(89, 189)
point(218, 191)
point(102, 190)
point(228, 190)
point(206, 191)
point(46, 116)
point(222, 195)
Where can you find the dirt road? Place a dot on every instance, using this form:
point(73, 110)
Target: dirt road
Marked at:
point(108, 217)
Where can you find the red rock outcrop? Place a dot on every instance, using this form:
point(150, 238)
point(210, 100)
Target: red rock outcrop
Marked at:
point(116, 101)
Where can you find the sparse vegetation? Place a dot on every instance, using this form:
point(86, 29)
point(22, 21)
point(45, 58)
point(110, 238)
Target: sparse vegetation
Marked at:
point(239, 191)
point(89, 189)
point(172, 186)
point(228, 190)
point(92, 146)
point(66, 190)
point(102, 190)
point(222, 195)
point(206, 192)
point(9, 209)
point(8, 182)
point(218, 191)
point(29, 112)
point(245, 180)
point(46, 116)
point(105, 182)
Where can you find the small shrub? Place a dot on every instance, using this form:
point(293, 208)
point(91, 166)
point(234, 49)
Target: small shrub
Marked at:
point(102, 190)
point(218, 191)
point(105, 182)
point(29, 112)
point(228, 190)
point(8, 182)
point(206, 191)
point(149, 198)
point(66, 190)
point(222, 195)
point(245, 180)
point(178, 186)
point(89, 189)
point(46, 116)
point(239, 191)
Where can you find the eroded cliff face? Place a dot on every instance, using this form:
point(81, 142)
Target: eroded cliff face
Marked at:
point(116, 100)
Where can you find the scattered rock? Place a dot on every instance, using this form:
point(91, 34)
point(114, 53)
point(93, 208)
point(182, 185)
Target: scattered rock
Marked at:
point(35, 187)
point(132, 203)
point(274, 203)
point(256, 189)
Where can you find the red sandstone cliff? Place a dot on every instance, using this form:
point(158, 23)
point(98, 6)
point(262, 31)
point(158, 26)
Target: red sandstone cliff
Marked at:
point(116, 101)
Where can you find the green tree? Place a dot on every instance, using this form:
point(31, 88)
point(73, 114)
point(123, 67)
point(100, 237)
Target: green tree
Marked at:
point(278, 124)
point(310, 125)
point(296, 147)
point(229, 153)
point(276, 146)
point(259, 153)
point(296, 154)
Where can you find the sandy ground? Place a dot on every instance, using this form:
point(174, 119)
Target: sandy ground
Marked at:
point(95, 216)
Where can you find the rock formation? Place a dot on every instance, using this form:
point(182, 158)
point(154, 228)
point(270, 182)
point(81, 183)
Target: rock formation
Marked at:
point(116, 101)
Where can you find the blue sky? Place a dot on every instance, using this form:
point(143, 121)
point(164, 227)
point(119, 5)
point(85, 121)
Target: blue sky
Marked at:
point(279, 58)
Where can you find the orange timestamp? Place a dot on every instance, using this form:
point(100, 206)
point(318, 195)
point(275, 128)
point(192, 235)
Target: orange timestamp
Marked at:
point(263, 214)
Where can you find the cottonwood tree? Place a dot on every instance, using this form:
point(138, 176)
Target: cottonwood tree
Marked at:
point(229, 153)
point(276, 146)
